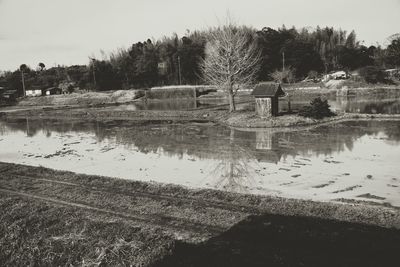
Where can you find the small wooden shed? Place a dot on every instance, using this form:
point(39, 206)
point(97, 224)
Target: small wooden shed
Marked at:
point(51, 91)
point(267, 98)
point(10, 95)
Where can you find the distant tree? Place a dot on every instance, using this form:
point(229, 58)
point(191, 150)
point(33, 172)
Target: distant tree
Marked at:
point(41, 66)
point(378, 55)
point(106, 76)
point(373, 74)
point(393, 52)
point(190, 53)
point(312, 74)
point(143, 65)
point(327, 43)
point(271, 42)
point(231, 60)
point(121, 63)
point(351, 41)
point(354, 58)
point(80, 75)
point(23, 67)
point(286, 75)
point(302, 57)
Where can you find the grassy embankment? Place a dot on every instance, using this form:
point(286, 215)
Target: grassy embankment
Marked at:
point(240, 119)
point(83, 99)
point(117, 97)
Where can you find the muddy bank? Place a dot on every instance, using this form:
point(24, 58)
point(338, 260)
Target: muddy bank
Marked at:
point(83, 99)
point(239, 119)
point(250, 120)
point(59, 218)
point(116, 97)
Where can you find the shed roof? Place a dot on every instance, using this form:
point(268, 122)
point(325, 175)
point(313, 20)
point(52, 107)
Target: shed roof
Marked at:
point(51, 88)
point(268, 89)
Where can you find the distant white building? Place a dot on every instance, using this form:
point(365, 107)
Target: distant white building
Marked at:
point(338, 75)
point(392, 73)
point(33, 92)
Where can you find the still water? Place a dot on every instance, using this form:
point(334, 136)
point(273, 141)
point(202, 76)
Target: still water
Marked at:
point(346, 161)
point(353, 105)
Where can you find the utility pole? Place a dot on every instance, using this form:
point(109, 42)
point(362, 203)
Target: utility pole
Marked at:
point(23, 82)
point(283, 61)
point(94, 72)
point(179, 70)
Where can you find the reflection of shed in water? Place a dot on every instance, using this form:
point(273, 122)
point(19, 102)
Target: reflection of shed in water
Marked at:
point(267, 98)
point(269, 156)
point(267, 146)
point(264, 139)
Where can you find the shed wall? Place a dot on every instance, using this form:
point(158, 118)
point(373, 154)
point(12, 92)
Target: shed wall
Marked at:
point(264, 107)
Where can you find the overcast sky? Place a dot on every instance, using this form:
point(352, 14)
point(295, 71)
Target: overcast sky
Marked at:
point(68, 31)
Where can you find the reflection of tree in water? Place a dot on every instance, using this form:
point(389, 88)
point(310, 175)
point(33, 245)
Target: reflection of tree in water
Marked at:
point(393, 132)
point(371, 106)
point(34, 126)
point(233, 172)
point(390, 107)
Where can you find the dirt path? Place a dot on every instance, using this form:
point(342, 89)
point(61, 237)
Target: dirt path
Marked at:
point(177, 200)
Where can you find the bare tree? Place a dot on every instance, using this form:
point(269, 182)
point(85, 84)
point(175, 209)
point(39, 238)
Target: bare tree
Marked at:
point(231, 59)
point(284, 75)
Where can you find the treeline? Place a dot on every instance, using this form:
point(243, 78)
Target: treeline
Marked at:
point(174, 60)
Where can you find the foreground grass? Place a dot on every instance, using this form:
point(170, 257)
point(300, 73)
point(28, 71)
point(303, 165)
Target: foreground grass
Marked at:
point(34, 233)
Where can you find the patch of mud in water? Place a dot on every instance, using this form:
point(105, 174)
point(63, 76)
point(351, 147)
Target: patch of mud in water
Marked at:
point(324, 185)
point(370, 196)
point(350, 188)
point(332, 161)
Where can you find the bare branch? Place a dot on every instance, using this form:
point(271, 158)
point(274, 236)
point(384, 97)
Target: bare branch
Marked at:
point(231, 59)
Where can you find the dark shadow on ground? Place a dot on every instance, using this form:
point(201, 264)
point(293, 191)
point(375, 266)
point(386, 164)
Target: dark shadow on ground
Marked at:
point(272, 240)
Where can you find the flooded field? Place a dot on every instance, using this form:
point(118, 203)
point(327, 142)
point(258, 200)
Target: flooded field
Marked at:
point(340, 104)
point(353, 105)
point(347, 161)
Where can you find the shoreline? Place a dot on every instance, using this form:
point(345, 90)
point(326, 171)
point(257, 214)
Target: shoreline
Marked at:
point(238, 119)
